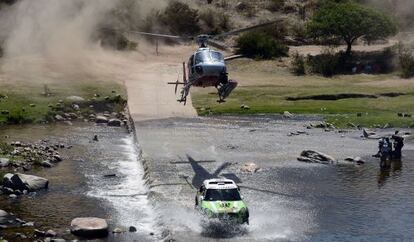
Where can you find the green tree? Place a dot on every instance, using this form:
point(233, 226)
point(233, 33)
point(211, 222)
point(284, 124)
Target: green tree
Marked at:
point(349, 21)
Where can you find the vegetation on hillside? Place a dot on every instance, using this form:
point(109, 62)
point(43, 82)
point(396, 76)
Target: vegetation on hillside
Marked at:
point(349, 22)
point(260, 45)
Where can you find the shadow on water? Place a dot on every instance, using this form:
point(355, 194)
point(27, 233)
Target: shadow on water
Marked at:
point(393, 171)
point(201, 174)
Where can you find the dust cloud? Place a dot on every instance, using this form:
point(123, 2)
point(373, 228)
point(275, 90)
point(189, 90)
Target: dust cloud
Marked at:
point(50, 39)
point(401, 10)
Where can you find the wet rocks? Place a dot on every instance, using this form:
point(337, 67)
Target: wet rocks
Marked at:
point(23, 182)
point(322, 125)
point(45, 164)
point(59, 118)
point(39, 233)
point(357, 160)
point(311, 156)
point(101, 119)
point(4, 162)
point(132, 229)
point(118, 231)
point(250, 168)
point(50, 233)
point(23, 156)
point(89, 227)
point(299, 132)
point(287, 114)
point(115, 122)
point(3, 216)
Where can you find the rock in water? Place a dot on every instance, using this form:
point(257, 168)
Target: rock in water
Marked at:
point(114, 122)
point(250, 167)
point(23, 182)
point(89, 227)
point(3, 216)
point(316, 157)
point(101, 120)
point(50, 233)
point(132, 229)
point(287, 114)
point(3, 213)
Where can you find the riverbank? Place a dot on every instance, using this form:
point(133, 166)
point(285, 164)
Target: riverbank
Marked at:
point(57, 101)
point(268, 87)
point(97, 178)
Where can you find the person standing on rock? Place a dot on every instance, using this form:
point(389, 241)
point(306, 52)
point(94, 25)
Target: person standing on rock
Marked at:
point(398, 145)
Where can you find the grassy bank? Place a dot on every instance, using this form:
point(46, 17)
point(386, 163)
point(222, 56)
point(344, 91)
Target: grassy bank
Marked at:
point(27, 102)
point(266, 86)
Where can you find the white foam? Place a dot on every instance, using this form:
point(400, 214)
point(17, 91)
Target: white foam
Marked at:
point(128, 193)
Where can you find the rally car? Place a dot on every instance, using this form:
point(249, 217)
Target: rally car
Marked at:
point(220, 198)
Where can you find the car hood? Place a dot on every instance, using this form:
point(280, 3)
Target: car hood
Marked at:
point(224, 206)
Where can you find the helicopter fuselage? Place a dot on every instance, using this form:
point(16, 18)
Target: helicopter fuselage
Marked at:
point(206, 68)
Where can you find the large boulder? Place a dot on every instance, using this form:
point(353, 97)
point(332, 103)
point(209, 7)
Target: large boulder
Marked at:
point(89, 227)
point(23, 182)
point(316, 157)
point(114, 122)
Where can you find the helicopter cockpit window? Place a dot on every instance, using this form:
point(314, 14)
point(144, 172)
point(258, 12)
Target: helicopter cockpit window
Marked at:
point(217, 56)
point(202, 57)
point(208, 56)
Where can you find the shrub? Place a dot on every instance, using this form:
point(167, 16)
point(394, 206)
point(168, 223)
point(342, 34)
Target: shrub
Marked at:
point(214, 22)
point(298, 64)
point(260, 45)
point(275, 5)
point(406, 61)
point(5, 148)
point(180, 18)
point(277, 31)
point(325, 64)
point(18, 118)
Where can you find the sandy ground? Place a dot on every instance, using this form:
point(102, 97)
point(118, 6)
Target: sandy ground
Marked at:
point(149, 96)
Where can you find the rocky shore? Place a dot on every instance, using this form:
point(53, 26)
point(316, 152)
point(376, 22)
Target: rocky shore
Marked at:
point(18, 157)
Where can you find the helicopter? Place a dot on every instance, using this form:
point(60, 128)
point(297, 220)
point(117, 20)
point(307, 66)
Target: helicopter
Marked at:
point(206, 67)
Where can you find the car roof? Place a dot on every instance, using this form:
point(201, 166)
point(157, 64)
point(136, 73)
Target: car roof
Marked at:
point(219, 183)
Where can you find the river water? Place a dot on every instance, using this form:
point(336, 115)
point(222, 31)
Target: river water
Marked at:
point(288, 201)
point(78, 187)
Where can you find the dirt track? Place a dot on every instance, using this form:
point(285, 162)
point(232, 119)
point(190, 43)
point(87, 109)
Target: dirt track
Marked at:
point(149, 96)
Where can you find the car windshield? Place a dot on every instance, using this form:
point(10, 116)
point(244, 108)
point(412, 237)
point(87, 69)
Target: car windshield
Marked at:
point(222, 195)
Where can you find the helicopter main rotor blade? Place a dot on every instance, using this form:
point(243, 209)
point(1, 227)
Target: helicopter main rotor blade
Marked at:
point(237, 31)
point(217, 45)
point(161, 35)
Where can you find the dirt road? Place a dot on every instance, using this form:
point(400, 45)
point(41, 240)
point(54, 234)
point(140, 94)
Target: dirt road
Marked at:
point(149, 96)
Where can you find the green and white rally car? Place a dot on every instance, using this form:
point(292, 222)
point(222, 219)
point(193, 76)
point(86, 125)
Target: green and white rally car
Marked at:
point(220, 198)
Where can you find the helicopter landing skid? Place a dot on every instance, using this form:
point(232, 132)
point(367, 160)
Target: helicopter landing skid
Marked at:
point(224, 90)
